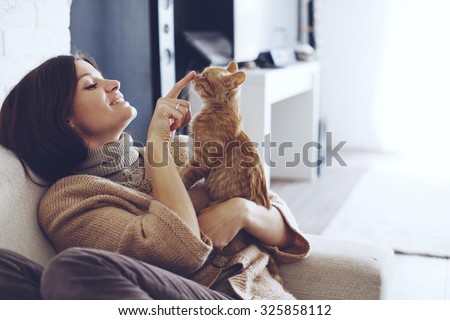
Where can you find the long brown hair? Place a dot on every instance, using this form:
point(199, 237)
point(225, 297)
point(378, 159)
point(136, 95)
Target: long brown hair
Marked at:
point(34, 119)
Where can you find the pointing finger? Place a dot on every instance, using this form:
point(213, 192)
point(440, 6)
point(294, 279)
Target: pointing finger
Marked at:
point(176, 90)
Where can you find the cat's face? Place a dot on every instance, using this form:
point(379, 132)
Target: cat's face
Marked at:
point(218, 82)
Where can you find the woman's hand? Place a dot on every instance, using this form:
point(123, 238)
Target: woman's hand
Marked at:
point(222, 222)
point(170, 113)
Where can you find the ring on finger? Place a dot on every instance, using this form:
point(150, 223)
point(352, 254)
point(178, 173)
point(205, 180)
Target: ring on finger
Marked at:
point(177, 106)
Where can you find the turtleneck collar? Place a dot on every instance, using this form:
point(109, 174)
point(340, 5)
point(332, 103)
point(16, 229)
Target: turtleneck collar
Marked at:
point(110, 158)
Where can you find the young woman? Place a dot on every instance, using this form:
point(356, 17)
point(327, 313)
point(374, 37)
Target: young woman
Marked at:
point(64, 117)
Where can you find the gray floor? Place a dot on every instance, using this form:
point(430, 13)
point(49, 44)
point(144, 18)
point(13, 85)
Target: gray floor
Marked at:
point(315, 203)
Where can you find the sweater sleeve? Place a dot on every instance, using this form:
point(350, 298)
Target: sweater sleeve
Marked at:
point(301, 246)
point(76, 212)
point(160, 237)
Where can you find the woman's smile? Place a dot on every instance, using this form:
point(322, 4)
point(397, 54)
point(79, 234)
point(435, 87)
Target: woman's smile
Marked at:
point(117, 100)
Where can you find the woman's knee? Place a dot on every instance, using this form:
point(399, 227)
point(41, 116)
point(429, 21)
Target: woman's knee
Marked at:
point(81, 273)
point(66, 276)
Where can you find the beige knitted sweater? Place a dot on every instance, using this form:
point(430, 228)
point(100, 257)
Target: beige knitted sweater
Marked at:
point(94, 212)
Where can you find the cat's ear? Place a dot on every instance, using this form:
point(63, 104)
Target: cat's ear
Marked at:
point(238, 78)
point(232, 66)
point(234, 80)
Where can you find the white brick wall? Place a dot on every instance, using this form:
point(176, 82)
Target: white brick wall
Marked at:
point(2, 47)
point(31, 31)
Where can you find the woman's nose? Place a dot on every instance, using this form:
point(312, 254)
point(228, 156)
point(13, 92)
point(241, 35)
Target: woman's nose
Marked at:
point(112, 85)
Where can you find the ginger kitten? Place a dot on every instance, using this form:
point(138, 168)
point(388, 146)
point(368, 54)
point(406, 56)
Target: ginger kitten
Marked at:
point(224, 155)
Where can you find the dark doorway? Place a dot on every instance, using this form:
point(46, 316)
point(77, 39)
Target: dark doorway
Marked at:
point(117, 34)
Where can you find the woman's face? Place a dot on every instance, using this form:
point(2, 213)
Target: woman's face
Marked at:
point(100, 113)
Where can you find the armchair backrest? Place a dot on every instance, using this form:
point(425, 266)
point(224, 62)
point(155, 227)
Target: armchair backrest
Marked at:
point(19, 201)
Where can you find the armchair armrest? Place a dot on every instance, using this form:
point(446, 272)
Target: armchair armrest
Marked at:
point(341, 269)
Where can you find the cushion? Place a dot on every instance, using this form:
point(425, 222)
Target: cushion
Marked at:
point(19, 201)
point(341, 269)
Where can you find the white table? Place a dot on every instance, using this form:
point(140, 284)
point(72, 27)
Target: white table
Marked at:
point(284, 103)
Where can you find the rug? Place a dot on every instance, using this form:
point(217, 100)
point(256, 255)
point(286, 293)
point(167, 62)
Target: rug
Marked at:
point(406, 210)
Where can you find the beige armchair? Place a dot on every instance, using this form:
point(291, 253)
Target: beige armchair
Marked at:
point(335, 269)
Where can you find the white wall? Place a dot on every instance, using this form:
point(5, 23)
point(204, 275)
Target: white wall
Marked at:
point(31, 31)
point(351, 37)
point(263, 25)
point(413, 100)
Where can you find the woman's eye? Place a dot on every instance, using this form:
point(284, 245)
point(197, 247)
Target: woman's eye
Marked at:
point(91, 87)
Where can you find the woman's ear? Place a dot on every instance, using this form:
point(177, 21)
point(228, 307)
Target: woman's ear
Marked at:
point(69, 122)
